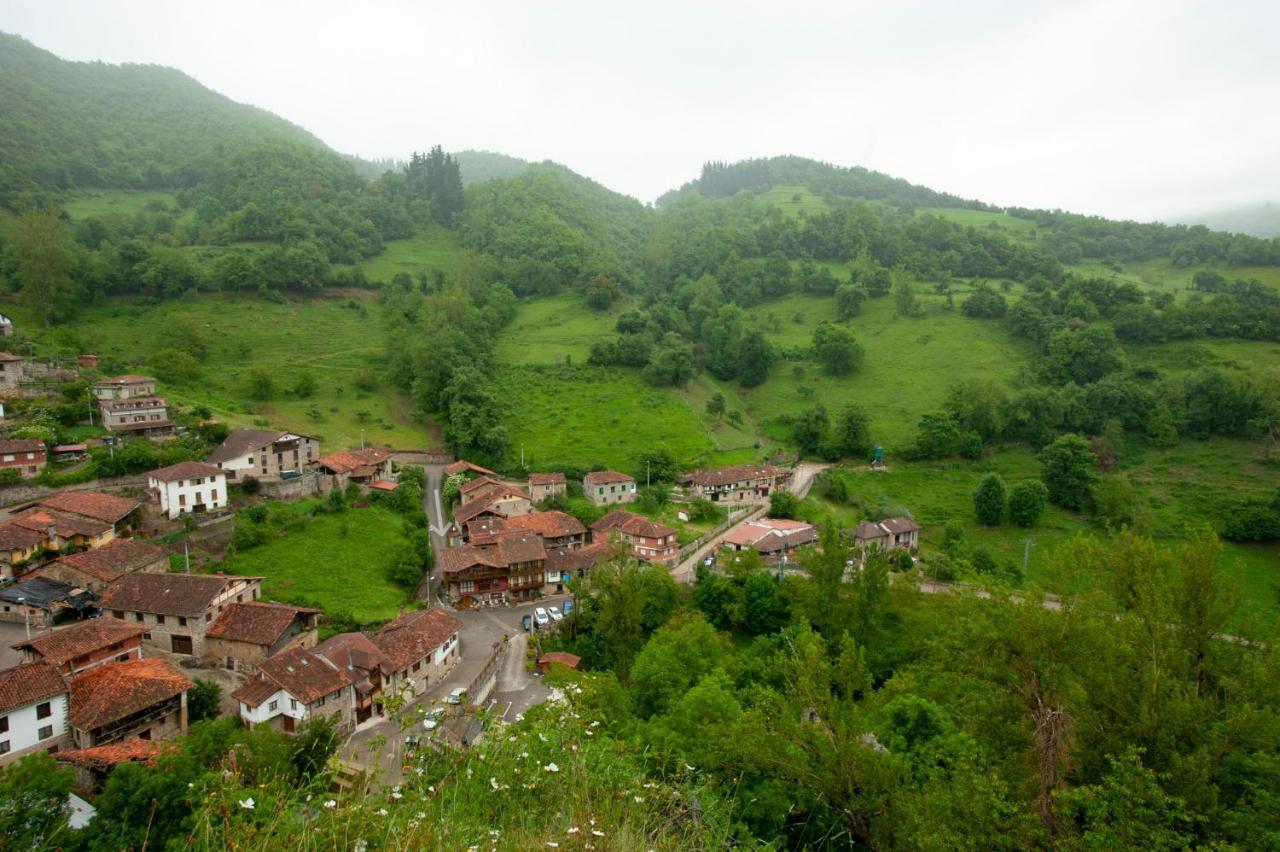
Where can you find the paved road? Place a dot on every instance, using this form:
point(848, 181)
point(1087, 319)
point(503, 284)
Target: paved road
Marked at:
point(10, 633)
point(435, 525)
point(687, 571)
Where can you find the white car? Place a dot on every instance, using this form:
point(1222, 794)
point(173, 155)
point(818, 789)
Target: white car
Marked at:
point(457, 695)
point(433, 719)
point(540, 617)
point(555, 613)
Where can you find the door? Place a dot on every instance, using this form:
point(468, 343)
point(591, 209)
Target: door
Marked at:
point(288, 724)
point(180, 644)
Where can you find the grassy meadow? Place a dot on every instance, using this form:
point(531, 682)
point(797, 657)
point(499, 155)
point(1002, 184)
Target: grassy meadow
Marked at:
point(555, 330)
point(1011, 226)
point(106, 203)
point(428, 252)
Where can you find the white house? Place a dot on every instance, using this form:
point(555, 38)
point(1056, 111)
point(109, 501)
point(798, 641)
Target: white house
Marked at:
point(34, 707)
point(188, 487)
point(293, 686)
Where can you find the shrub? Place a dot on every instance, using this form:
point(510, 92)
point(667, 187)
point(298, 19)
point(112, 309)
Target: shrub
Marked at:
point(1252, 520)
point(989, 500)
point(1027, 502)
point(10, 476)
point(783, 504)
point(250, 485)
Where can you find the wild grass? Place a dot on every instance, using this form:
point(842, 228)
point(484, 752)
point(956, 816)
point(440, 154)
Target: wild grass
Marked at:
point(555, 330)
point(793, 200)
point(109, 202)
point(429, 252)
point(1022, 230)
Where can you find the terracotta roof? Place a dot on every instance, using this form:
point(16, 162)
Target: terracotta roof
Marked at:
point(414, 635)
point(298, 671)
point(351, 460)
point(126, 751)
point(27, 684)
point(466, 511)
point(768, 534)
point(92, 504)
point(482, 530)
point(70, 448)
point(185, 470)
point(736, 473)
point(64, 525)
point(114, 559)
point(631, 524)
point(384, 485)
point(63, 646)
point(255, 622)
point(605, 477)
point(900, 525)
point(168, 594)
point(354, 650)
point(103, 694)
point(556, 478)
point(241, 442)
point(467, 556)
point(563, 559)
point(17, 537)
point(124, 380)
point(517, 546)
point(480, 482)
point(552, 524)
point(21, 445)
point(462, 466)
point(563, 658)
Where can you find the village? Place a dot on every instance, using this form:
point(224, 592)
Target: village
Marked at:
point(107, 633)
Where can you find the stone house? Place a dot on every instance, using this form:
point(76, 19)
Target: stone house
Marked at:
point(119, 512)
point(366, 666)
point(82, 646)
point(510, 568)
point(188, 487)
point(12, 370)
point(25, 455)
point(177, 609)
point(563, 565)
point(774, 540)
point(19, 549)
point(145, 698)
point(557, 529)
point(363, 467)
point(544, 486)
point(420, 648)
point(901, 533)
point(608, 487)
point(245, 634)
point(293, 686)
point(41, 603)
point(743, 483)
point(266, 456)
point(646, 540)
point(98, 568)
point(140, 415)
point(124, 387)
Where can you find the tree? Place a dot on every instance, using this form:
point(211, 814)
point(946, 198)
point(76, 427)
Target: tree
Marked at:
point(904, 296)
point(1067, 471)
point(203, 700)
point(33, 803)
point(783, 504)
point(45, 266)
point(304, 386)
point(261, 384)
point(1083, 355)
point(755, 356)
point(716, 405)
point(853, 432)
point(602, 292)
point(989, 500)
point(810, 429)
point(762, 609)
point(1160, 427)
point(985, 303)
point(836, 349)
point(849, 299)
point(1027, 502)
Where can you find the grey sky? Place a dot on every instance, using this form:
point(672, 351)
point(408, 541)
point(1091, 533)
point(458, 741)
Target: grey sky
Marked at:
point(1137, 109)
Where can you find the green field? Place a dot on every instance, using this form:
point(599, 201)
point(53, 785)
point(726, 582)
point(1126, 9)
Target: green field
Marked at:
point(432, 251)
point(1011, 226)
point(331, 339)
point(794, 199)
point(335, 563)
point(554, 330)
point(108, 202)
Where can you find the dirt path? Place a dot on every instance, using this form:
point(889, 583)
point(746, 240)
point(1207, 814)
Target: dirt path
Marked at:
point(804, 475)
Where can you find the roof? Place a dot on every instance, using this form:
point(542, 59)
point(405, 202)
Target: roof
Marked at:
point(64, 525)
point(9, 356)
point(124, 380)
point(47, 593)
point(468, 556)
point(114, 559)
point(564, 559)
point(551, 524)
point(353, 650)
point(631, 524)
point(605, 477)
point(126, 751)
point(21, 445)
point(564, 658)
point(555, 478)
point(255, 622)
point(473, 508)
point(63, 646)
point(185, 470)
point(736, 473)
point(168, 594)
point(384, 485)
point(70, 448)
point(298, 671)
point(241, 442)
point(480, 482)
point(103, 694)
point(17, 537)
point(462, 466)
point(351, 460)
point(414, 635)
point(867, 530)
point(769, 534)
point(900, 525)
point(92, 504)
point(28, 683)
point(141, 426)
point(518, 546)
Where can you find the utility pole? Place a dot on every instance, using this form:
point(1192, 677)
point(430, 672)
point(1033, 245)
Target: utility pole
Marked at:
point(362, 439)
point(522, 456)
point(647, 476)
point(26, 615)
point(1026, 555)
point(186, 555)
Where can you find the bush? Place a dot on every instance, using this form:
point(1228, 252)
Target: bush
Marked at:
point(203, 700)
point(941, 567)
point(10, 476)
point(250, 485)
point(249, 535)
point(783, 504)
point(985, 303)
point(1027, 502)
point(989, 500)
point(1252, 520)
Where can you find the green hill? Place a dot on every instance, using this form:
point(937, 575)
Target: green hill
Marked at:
point(480, 166)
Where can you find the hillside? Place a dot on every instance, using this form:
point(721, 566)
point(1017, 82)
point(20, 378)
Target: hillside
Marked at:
point(1259, 220)
point(480, 166)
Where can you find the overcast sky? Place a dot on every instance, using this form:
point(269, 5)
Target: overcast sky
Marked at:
point(1135, 109)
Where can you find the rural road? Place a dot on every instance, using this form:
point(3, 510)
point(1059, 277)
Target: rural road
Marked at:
point(687, 571)
point(435, 525)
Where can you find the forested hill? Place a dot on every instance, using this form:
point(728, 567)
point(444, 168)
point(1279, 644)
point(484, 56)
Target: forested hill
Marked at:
point(88, 124)
point(480, 166)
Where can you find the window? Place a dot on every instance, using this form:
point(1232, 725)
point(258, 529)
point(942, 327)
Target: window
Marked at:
point(4, 724)
point(137, 616)
point(273, 706)
point(44, 711)
point(159, 619)
point(4, 746)
point(417, 666)
point(213, 496)
point(182, 621)
point(118, 613)
point(293, 704)
point(182, 499)
point(45, 732)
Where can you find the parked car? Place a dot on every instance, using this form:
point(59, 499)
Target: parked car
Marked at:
point(555, 613)
point(411, 742)
point(540, 617)
point(568, 607)
point(527, 622)
point(433, 719)
point(457, 695)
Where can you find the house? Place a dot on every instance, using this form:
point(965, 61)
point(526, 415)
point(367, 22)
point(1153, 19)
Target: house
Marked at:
point(188, 487)
point(558, 530)
point(25, 455)
point(144, 698)
point(136, 415)
point(464, 466)
point(176, 609)
point(608, 487)
point(19, 548)
point(12, 370)
point(34, 702)
point(745, 483)
point(557, 658)
point(82, 646)
point(544, 486)
point(124, 387)
point(647, 541)
point(6, 326)
point(95, 505)
point(483, 486)
point(293, 686)
point(88, 361)
point(245, 634)
point(563, 565)
point(512, 567)
point(62, 531)
point(360, 466)
point(92, 766)
point(773, 539)
point(366, 666)
point(98, 568)
point(40, 602)
point(264, 455)
point(420, 648)
point(890, 534)
point(503, 502)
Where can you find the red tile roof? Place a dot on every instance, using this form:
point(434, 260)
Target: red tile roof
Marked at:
point(126, 751)
point(348, 461)
point(353, 650)
point(468, 556)
point(518, 546)
point(17, 537)
point(92, 504)
point(472, 509)
point(768, 534)
point(63, 646)
point(737, 473)
point(109, 692)
point(606, 477)
point(185, 470)
point(551, 524)
point(114, 559)
point(169, 594)
point(255, 622)
point(64, 525)
point(555, 478)
point(563, 559)
point(384, 485)
point(564, 658)
point(414, 635)
point(27, 684)
point(21, 445)
point(481, 482)
point(462, 466)
point(631, 524)
point(124, 380)
point(297, 671)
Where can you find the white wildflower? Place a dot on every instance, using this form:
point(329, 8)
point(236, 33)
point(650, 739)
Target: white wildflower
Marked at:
point(573, 748)
point(542, 736)
point(573, 830)
point(595, 724)
point(330, 805)
point(247, 804)
point(493, 832)
point(381, 811)
point(551, 767)
point(190, 784)
point(360, 845)
point(597, 833)
point(397, 795)
point(639, 799)
point(553, 844)
point(493, 782)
